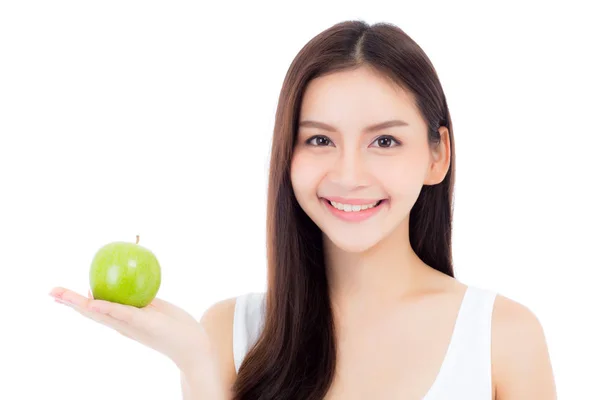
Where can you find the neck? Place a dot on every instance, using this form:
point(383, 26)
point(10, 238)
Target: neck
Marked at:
point(386, 272)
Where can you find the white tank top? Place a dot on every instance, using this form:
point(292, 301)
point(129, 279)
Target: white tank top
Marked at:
point(465, 373)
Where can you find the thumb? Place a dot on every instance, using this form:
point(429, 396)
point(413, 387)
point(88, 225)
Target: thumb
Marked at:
point(172, 310)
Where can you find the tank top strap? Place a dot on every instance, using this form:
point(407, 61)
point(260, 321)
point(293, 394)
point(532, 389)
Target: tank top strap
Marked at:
point(473, 331)
point(467, 367)
point(248, 318)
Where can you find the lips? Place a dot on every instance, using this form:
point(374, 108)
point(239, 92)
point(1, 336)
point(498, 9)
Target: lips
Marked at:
point(354, 216)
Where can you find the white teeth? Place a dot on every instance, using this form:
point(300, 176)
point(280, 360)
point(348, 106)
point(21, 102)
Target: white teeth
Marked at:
point(352, 208)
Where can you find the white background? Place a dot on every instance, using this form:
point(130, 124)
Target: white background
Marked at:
point(120, 118)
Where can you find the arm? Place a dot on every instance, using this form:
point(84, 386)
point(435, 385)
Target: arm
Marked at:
point(218, 324)
point(521, 364)
point(195, 386)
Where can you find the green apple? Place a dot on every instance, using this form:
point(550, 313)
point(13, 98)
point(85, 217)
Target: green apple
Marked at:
point(125, 273)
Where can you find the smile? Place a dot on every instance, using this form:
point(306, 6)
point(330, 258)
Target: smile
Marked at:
point(353, 213)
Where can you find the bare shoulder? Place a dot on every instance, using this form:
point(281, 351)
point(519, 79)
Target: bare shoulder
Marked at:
point(217, 321)
point(218, 318)
point(521, 364)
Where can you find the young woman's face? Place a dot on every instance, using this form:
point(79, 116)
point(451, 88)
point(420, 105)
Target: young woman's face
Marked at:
point(339, 162)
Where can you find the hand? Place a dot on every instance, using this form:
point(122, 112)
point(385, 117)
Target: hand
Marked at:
point(160, 325)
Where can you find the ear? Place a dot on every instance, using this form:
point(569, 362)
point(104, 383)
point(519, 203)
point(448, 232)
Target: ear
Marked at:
point(440, 159)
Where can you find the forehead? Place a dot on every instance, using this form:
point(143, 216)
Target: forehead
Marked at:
point(359, 96)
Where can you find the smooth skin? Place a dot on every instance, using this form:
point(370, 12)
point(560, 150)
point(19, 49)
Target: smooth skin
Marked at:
point(379, 287)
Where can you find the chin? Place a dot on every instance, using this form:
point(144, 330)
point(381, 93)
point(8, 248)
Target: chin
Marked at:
point(358, 245)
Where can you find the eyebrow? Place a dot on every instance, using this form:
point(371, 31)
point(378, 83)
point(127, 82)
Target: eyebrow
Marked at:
point(371, 128)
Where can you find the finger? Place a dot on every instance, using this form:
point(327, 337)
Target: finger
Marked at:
point(107, 321)
point(90, 295)
point(103, 319)
point(121, 312)
point(68, 296)
point(117, 311)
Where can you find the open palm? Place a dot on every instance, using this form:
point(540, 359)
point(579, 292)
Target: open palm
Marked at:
point(161, 326)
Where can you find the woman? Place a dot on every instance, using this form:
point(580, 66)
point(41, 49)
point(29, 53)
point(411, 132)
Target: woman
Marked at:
point(361, 300)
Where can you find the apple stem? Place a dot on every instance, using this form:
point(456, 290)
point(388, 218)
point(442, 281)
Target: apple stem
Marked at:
point(137, 239)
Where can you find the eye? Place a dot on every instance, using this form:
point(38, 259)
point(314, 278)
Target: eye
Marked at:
point(319, 141)
point(386, 142)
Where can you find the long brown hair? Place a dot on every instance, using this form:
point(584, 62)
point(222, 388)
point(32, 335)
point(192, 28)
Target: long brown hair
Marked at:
point(295, 355)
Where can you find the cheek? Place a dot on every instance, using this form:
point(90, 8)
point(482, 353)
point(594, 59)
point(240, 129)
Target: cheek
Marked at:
point(305, 175)
point(403, 178)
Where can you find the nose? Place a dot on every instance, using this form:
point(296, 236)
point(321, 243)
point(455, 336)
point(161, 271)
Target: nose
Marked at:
point(348, 170)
